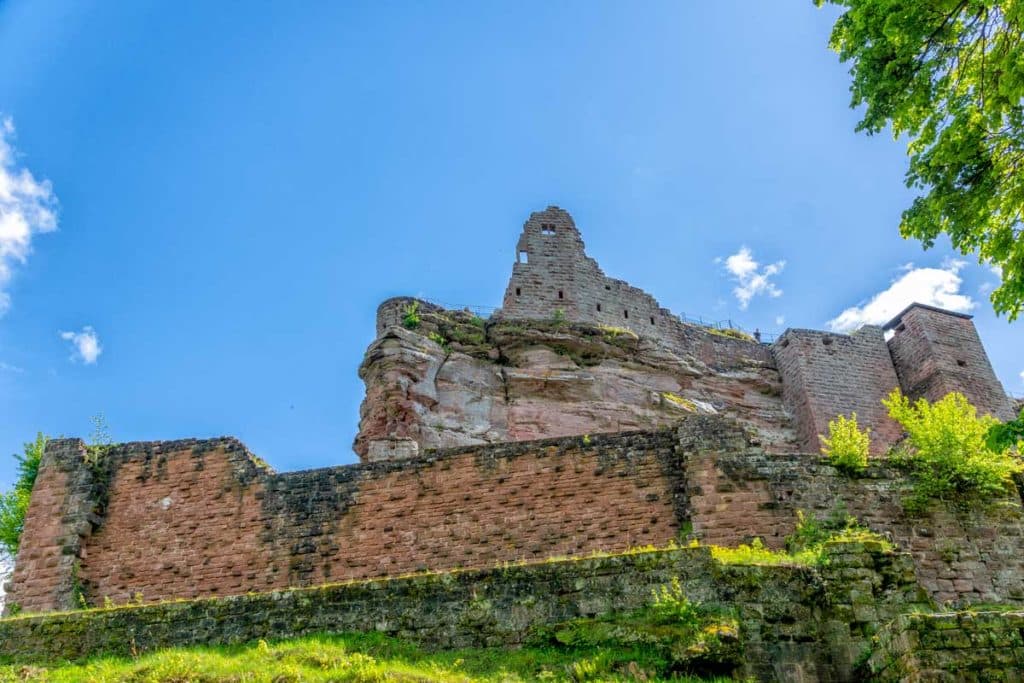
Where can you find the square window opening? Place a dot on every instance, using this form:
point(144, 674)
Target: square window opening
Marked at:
point(523, 257)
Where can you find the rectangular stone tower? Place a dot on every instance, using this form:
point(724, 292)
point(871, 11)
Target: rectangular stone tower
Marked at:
point(937, 351)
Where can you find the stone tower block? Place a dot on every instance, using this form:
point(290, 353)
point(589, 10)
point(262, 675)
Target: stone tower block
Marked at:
point(826, 374)
point(553, 273)
point(936, 352)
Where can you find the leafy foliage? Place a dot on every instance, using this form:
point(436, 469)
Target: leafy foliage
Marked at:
point(1002, 437)
point(670, 605)
point(757, 553)
point(14, 503)
point(947, 451)
point(411, 317)
point(949, 74)
point(811, 534)
point(846, 445)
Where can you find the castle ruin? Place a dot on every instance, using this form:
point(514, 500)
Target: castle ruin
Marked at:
point(582, 416)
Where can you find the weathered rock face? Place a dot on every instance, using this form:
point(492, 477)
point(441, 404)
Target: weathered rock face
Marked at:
point(457, 380)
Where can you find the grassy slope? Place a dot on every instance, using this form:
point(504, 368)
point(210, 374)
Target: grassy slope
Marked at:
point(353, 657)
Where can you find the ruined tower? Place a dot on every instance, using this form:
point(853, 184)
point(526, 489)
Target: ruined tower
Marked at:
point(552, 273)
point(936, 351)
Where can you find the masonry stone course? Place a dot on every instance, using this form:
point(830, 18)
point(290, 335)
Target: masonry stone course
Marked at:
point(796, 623)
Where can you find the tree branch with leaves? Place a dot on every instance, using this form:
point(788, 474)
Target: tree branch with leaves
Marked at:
point(949, 75)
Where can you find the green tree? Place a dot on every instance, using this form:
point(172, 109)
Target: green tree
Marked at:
point(949, 74)
point(1007, 435)
point(14, 503)
point(946, 449)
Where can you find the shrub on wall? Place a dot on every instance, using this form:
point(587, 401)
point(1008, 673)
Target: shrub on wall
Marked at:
point(411, 317)
point(947, 451)
point(14, 503)
point(846, 445)
point(1005, 436)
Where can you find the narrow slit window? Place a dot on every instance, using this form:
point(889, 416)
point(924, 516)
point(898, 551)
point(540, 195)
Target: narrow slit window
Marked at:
point(625, 314)
point(599, 308)
point(652, 319)
point(560, 295)
point(518, 291)
point(523, 257)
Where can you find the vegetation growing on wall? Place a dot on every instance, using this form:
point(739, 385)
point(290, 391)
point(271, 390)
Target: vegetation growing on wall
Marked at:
point(14, 503)
point(411, 317)
point(947, 451)
point(1001, 437)
point(676, 634)
point(846, 446)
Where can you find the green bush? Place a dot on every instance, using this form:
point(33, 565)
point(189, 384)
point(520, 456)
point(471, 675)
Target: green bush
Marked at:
point(669, 605)
point(411, 319)
point(946, 450)
point(14, 503)
point(1001, 437)
point(846, 446)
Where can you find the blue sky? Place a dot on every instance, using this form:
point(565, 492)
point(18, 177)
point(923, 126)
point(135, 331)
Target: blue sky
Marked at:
point(214, 197)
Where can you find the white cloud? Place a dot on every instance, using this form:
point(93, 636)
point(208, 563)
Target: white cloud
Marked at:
point(780, 320)
point(932, 286)
point(752, 279)
point(1022, 376)
point(85, 345)
point(7, 367)
point(27, 208)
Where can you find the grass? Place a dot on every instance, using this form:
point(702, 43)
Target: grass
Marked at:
point(679, 402)
point(356, 657)
point(731, 333)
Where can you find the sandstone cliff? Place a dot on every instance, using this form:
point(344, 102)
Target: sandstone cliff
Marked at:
point(457, 380)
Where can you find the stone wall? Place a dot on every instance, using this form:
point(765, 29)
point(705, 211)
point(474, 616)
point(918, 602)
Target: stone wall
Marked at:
point(976, 647)
point(936, 352)
point(190, 519)
point(960, 557)
point(826, 374)
point(553, 274)
point(200, 518)
point(796, 623)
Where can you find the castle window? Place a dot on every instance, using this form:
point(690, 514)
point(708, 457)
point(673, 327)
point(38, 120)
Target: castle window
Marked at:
point(652, 319)
point(518, 291)
point(961, 363)
point(547, 229)
point(523, 257)
point(625, 314)
point(599, 308)
point(560, 296)
point(608, 287)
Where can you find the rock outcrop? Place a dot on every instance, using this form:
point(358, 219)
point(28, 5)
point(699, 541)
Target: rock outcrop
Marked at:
point(455, 379)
